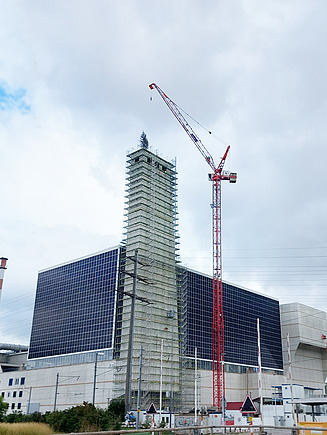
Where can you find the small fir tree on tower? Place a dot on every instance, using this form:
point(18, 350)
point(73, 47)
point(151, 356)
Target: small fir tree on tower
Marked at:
point(144, 141)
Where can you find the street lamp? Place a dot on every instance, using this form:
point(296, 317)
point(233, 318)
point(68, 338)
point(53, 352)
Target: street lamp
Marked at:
point(95, 374)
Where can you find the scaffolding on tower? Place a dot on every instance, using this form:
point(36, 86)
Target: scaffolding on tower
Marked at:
point(218, 319)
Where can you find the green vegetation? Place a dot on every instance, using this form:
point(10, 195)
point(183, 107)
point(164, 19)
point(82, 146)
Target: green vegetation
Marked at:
point(82, 418)
point(3, 408)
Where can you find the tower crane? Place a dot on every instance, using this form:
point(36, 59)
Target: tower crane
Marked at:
point(218, 318)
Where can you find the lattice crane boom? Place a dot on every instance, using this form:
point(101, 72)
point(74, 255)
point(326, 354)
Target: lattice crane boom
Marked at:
point(189, 130)
point(218, 318)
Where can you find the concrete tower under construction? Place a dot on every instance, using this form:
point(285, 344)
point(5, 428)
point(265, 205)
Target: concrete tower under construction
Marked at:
point(149, 270)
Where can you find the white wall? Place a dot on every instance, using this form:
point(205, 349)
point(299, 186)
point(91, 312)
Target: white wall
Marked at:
point(305, 326)
point(75, 386)
point(237, 386)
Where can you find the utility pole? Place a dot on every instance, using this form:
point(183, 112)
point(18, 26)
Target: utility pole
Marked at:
point(171, 315)
point(259, 372)
point(56, 389)
point(128, 390)
point(133, 296)
point(139, 391)
point(290, 376)
point(56, 392)
point(29, 402)
point(95, 375)
point(196, 386)
point(161, 361)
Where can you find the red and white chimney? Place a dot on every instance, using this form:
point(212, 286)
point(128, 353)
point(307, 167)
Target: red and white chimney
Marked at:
point(3, 262)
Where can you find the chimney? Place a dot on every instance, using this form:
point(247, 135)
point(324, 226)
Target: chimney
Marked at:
point(3, 262)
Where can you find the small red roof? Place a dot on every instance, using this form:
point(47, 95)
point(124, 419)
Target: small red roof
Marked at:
point(234, 406)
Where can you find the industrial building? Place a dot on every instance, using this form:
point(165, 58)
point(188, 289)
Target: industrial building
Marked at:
point(133, 322)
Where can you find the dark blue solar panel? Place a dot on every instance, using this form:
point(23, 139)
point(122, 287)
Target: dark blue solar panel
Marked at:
point(241, 308)
point(74, 307)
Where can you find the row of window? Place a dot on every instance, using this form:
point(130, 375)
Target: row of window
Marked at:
point(13, 405)
point(14, 393)
point(156, 164)
point(18, 381)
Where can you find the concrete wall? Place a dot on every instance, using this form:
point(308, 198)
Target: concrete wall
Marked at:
point(305, 326)
point(74, 386)
point(238, 386)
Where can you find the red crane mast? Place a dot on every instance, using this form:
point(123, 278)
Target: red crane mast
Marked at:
point(218, 318)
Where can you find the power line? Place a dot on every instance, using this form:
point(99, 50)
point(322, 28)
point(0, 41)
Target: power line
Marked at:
point(279, 256)
point(275, 249)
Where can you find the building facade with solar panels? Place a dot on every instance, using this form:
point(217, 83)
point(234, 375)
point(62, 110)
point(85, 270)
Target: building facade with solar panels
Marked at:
point(241, 309)
point(75, 307)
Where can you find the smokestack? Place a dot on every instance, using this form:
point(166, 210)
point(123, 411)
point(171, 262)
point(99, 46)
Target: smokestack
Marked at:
point(3, 262)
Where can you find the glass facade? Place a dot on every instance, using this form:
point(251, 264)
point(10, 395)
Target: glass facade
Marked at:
point(241, 308)
point(76, 310)
point(75, 306)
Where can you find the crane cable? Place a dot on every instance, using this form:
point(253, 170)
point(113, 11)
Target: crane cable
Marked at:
point(197, 122)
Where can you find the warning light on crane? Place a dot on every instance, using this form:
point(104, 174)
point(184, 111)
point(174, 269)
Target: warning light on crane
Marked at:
point(218, 352)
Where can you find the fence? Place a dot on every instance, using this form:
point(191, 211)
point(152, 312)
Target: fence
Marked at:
point(198, 430)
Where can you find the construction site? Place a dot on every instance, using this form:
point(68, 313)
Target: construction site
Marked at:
point(132, 322)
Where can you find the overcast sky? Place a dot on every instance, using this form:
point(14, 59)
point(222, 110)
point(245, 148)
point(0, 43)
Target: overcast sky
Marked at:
point(74, 99)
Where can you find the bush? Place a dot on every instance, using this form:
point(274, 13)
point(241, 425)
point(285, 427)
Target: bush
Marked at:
point(3, 408)
point(117, 407)
point(19, 417)
point(82, 418)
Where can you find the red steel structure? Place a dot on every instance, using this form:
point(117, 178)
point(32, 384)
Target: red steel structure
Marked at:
point(218, 318)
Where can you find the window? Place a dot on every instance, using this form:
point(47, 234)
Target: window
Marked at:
point(12, 406)
point(10, 381)
point(20, 394)
point(3, 394)
point(14, 394)
point(8, 394)
point(17, 381)
point(19, 406)
point(22, 381)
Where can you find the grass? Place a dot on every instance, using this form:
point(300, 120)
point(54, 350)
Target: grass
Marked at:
point(25, 429)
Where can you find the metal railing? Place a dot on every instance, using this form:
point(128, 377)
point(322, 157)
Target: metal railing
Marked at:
point(197, 430)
